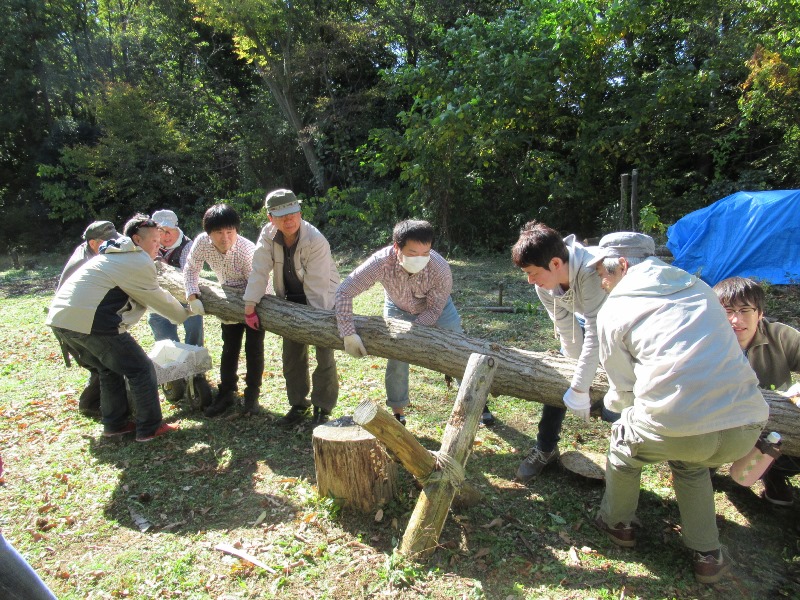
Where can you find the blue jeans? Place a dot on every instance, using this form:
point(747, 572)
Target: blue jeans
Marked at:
point(18, 580)
point(164, 329)
point(116, 358)
point(397, 371)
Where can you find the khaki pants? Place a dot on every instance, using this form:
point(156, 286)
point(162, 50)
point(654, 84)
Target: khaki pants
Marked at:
point(325, 391)
point(689, 458)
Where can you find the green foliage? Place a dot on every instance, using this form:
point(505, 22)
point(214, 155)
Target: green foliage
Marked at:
point(649, 221)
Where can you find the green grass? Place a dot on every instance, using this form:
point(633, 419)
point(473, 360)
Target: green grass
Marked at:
point(68, 495)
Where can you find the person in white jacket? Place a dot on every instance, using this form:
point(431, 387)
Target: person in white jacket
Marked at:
point(570, 291)
point(303, 271)
point(684, 388)
point(92, 312)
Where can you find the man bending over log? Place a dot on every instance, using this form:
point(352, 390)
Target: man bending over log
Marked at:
point(570, 292)
point(417, 282)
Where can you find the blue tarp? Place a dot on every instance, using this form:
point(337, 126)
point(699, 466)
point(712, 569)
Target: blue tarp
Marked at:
point(749, 234)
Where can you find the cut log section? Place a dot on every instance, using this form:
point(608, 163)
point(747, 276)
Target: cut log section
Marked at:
point(352, 466)
point(585, 463)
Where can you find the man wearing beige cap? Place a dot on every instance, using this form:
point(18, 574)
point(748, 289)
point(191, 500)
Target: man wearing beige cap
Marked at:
point(684, 389)
point(303, 271)
point(94, 236)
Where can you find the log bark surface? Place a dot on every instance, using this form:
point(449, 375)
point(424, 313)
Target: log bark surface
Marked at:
point(352, 466)
point(427, 520)
point(539, 376)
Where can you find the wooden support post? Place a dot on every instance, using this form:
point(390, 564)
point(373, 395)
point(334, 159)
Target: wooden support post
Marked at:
point(634, 199)
point(427, 520)
point(352, 466)
point(623, 200)
point(403, 446)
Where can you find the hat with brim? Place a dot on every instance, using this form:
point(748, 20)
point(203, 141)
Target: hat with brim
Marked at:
point(627, 244)
point(165, 218)
point(282, 202)
point(101, 230)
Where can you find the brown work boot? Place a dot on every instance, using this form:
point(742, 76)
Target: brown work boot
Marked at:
point(710, 567)
point(622, 535)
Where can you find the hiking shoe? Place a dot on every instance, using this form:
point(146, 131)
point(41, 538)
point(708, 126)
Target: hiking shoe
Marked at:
point(400, 419)
point(535, 463)
point(620, 534)
point(487, 418)
point(163, 429)
point(708, 568)
point(777, 489)
point(129, 427)
point(320, 416)
point(295, 415)
point(251, 405)
point(220, 405)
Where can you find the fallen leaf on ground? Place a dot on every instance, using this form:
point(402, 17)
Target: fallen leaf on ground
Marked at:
point(496, 522)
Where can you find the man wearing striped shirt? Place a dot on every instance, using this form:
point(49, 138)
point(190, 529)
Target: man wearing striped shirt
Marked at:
point(230, 256)
point(417, 282)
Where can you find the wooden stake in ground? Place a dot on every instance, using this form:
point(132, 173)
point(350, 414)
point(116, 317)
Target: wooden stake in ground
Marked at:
point(352, 466)
point(427, 520)
point(538, 376)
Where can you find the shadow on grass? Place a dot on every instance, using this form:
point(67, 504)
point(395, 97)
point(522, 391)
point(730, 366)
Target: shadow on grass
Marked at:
point(212, 474)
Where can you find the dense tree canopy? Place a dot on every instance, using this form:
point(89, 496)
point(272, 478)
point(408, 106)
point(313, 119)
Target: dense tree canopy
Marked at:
point(476, 115)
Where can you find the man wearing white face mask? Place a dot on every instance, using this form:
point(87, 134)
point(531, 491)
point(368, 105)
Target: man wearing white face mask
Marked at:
point(417, 282)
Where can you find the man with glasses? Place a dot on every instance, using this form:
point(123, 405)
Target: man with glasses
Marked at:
point(773, 351)
point(92, 313)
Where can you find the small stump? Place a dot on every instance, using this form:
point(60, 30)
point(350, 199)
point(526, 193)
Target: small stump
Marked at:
point(352, 466)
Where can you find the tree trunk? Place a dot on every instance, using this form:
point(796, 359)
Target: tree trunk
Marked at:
point(539, 376)
point(352, 466)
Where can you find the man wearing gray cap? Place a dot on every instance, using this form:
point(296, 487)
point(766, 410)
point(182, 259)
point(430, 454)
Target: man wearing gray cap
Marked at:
point(685, 392)
point(299, 257)
point(94, 236)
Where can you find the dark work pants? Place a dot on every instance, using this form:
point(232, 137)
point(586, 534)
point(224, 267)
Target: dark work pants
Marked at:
point(229, 363)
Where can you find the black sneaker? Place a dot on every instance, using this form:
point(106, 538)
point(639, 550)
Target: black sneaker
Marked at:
point(251, 405)
point(220, 405)
point(295, 415)
point(89, 401)
point(487, 418)
point(320, 416)
point(777, 489)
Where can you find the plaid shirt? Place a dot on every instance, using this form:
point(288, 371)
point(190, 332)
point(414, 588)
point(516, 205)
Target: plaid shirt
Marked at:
point(424, 294)
point(232, 269)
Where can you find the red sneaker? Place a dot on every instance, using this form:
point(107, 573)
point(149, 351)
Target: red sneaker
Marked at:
point(129, 427)
point(163, 429)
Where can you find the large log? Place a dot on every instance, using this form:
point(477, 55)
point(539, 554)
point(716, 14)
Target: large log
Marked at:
point(538, 376)
point(425, 525)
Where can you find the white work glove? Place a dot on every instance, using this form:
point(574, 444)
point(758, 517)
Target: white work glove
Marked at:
point(354, 346)
point(578, 403)
point(792, 391)
point(196, 307)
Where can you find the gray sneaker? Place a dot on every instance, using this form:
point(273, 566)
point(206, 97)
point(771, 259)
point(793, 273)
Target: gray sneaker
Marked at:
point(535, 463)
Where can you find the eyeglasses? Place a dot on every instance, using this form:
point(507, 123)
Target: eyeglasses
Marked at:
point(741, 312)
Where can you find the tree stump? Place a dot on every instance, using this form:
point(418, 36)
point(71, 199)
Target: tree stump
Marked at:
point(352, 466)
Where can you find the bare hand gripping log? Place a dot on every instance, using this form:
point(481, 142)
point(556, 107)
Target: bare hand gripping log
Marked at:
point(538, 376)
